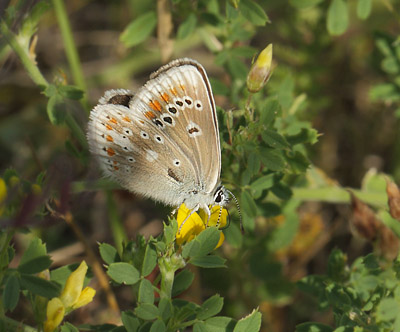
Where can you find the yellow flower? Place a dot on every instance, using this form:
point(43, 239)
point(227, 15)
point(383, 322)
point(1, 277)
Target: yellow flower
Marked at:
point(197, 222)
point(3, 195)
point(71, 298)
point(85, 297)
point(73, 287)
point(260, 70)
point(55, 314)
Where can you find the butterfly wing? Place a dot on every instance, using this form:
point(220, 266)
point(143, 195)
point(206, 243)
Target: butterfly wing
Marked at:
point(162, 143)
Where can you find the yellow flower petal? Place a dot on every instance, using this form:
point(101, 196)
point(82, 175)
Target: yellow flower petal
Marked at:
point(215, 218)
point(193, 225)
point(73, 287)
point(55, 314)
point(86, 297)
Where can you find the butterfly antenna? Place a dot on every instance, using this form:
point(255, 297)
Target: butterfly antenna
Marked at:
point(238, 209)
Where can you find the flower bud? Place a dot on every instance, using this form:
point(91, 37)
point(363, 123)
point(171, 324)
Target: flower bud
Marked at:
point(3, 195)
point(393, 193)
point(260, 70)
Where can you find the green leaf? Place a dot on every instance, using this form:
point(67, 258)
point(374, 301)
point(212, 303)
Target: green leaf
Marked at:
point(130, 321)
point(11, 293)
point(250, 323)
point(220, 324)
point(282, 191)
point(170, 231)
point(182, 282)
point(70, 92)
point(272, 159)
point(146, 292)
point(35, 265)
point(35, 249)
point(253, 12)
point(211, 261)
point(338, 17)
point(108, 253)
point(253, 163)
point(248, 204)
point(337, 262)
point(138, 30)
point(364, 8)
point(149, 260)
point(123, 273)
point(274, 139)
point(165, 308)
point(313, 327)
point(218, 87)
point(68, 327)
point(237, 68)
point(202, 244)
point(387, 309)
point(40, 286)
point(210, 307)
point(158, 326)
point(56, 109)
point(200, 327)
point(303, 4)
point(146, 311)
point(187, 27)
point(270, 110)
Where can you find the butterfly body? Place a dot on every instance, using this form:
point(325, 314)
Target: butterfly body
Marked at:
point(163, 142)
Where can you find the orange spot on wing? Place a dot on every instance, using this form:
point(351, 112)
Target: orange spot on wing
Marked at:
point(109, 138)
point(150, 115)
point(141, 121)
point(182, 87)
point(116, 168)
point(155, 105)
point(125, 118)
point(173, 91)
point(108, 127)
point(110, 152)
point(115, 162)
point(113, 120)
point(165, 97)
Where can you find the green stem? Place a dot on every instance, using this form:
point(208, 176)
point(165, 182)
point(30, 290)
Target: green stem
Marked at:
point(339, 195)
point(76, 130)
point(12, 325)
point(167, 277)
point(70, 48)
point(117, 228)
point(24, 55)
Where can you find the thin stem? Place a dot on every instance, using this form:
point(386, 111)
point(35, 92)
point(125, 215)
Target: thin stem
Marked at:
point(70, 48)
point(339, 195)
point(23, 53)
point(76, 130)
point(117, 228)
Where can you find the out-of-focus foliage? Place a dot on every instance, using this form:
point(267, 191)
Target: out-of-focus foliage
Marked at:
point(312, 157)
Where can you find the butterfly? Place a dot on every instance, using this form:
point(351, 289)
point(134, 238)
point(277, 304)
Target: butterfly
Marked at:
point(163, 142)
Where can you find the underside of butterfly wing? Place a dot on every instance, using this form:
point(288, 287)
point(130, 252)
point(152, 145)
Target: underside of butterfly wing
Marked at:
point(163, 142)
